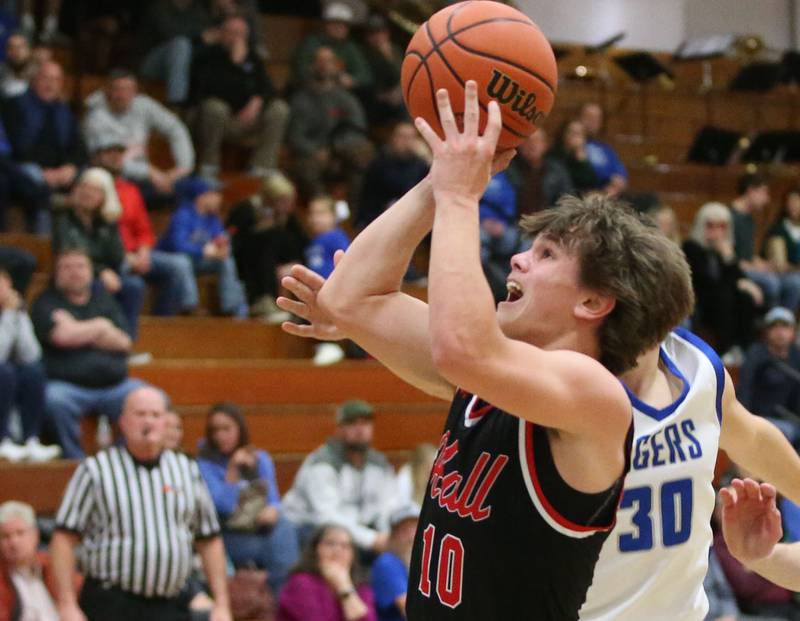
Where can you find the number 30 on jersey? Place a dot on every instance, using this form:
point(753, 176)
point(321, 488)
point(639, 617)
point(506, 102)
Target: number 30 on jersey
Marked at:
point(674, 500)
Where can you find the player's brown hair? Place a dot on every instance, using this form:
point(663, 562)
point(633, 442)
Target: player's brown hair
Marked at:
point(622, 254)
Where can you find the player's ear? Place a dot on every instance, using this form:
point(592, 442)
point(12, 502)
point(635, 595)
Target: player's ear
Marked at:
point(594, 306)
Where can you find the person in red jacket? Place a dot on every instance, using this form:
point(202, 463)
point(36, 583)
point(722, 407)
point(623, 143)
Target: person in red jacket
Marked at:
point(27, 587)
point(171, 272)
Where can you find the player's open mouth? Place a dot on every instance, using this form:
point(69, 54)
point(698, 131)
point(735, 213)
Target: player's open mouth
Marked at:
point(514, 291)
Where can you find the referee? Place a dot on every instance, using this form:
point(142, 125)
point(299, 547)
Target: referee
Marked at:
point(136, 510)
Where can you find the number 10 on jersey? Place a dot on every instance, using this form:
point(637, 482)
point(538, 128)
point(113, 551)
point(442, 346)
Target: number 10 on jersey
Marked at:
point(450, 564)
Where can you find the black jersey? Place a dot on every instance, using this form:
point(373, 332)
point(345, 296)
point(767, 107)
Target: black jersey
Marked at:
point(501, 535)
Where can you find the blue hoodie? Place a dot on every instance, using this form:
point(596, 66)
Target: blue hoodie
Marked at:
point(189, 231)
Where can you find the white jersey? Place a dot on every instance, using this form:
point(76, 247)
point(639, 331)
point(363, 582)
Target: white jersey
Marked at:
point(653, 563)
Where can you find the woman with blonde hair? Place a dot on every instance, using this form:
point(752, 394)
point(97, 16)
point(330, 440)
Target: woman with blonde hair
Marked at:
point(89, 221)
point(727, 301)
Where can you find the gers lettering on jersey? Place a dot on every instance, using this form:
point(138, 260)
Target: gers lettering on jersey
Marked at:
point(467, 500)
point(673, 444)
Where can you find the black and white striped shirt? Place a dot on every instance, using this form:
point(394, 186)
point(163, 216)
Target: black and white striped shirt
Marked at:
point(138, 521)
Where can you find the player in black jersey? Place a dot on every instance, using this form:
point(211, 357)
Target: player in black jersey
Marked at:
point(529, 468)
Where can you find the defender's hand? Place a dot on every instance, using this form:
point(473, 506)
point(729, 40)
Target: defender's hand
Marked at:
point(751, 522)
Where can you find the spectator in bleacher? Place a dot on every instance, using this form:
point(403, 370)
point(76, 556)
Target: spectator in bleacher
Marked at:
point(169, 31)
point(236, 101)
point(173, 431)
point(500, 235)
point(727, 301)
point(383, 101)
point(327, 128)
point(83, 335)
point(220, 10)
point(171, 272)
point(45, 139)
point(413, 476)
point(20, 265)
point(782, 248)
point(328, 583)
point(197, 231)
point(667, 222)
point(753, 197)
point(768, 383)
point(345, 481)
point(242, 483)
point(22, 378)
point(390, 570)
point(570, 150)
point(539, 178)
point(28, 590)
point(609, 169)
point(19, 66)
point(160, 510)
point(122, 111)
point(91, 221)
point(394, 171)
point(355, 72)
point(267, 239)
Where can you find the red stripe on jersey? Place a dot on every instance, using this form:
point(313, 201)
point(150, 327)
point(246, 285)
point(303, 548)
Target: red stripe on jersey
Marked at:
point(551, 510)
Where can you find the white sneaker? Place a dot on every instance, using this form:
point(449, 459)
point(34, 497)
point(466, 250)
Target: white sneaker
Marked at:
point(36, 451)
point(327, 353)
point(11, 451)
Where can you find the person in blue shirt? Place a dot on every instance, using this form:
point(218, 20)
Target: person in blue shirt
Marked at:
point(500, 236)
point(390, 570)
point(197, 231)
point(326, 236)
point(242, 483)
point(608, 168)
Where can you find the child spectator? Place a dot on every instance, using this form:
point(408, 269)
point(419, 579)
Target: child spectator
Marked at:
point(196, 230)
point(328, 583)
point(390, 570)
point(242, 483)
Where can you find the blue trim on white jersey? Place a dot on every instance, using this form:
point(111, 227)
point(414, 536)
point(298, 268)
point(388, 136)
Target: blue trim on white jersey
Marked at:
point(649, 410)
point(716, 362)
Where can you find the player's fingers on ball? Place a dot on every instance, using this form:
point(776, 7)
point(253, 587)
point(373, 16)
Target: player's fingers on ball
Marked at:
point(427, 133)
point(446, 117)
point(494, 125)
point(471, 109)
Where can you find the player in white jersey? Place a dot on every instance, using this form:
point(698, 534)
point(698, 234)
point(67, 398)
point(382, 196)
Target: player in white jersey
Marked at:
point(653, 564)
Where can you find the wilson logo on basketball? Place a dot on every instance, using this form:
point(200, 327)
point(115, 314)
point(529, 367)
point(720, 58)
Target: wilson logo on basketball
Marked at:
point(506, 90)
point(466, 500)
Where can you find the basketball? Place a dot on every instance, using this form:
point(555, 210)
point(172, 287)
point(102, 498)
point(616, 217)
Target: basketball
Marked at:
point(497, 46)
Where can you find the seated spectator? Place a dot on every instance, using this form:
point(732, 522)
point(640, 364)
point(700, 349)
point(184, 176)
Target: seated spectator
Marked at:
point(782, 248)
point(237, 102)
point(83, 335)
point(220, 10)
point(383, 101)
point(173, 431)
point(727, 301)
point(328, 583)
point(19, 67)
point(390, 570)
point(570, 150)
point(121, 111)
point(767, 383)
point(28, 588)
point(326, 239)
point(346, 482)
point(396, 169)
point(268, 238)
point(91, 221)
point(171, 272)
point(20, 265)
point(327, 128)
point(22, 378)
point(500, 235)
point(753, 197)
point(196, 231)
point(168, 31)
point(413, 476)
point(539, 177)
point(667, 222)
point(337, 19)
point(45, 140)
point(245, 492)
point(609, 169)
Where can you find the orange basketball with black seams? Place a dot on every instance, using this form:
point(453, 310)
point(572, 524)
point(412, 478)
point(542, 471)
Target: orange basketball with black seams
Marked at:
point(497, 46)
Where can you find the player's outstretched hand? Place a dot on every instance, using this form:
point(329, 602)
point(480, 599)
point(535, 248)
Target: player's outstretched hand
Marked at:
point(464, 161)
point(751, 522)
point(305, 285)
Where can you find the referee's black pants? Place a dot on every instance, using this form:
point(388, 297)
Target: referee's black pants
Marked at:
point(110, 603)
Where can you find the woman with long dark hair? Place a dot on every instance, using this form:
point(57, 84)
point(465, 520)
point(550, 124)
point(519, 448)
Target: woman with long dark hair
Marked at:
point(242, 483)
point(328, 583)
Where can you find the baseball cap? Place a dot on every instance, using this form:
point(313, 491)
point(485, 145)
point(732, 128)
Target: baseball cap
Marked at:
point(779, 314)
point(338, 12)
point(353, 410)
point(409, 511)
